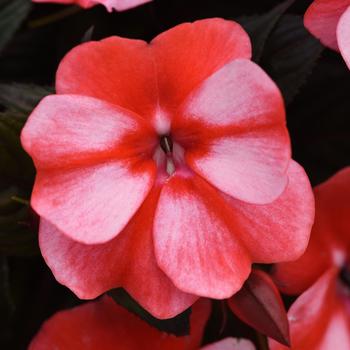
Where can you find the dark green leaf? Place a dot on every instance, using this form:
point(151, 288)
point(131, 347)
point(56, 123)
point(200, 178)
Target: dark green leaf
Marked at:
point(18, 100)
point(12, 13)
point(22, 98)
point(88, 35)
point(259, 27)
point(290, 55)
point(179, 325)
point(15, 165)
point(17, 225)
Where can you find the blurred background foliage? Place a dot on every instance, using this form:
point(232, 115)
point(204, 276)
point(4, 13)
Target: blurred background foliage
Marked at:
point(33, 39)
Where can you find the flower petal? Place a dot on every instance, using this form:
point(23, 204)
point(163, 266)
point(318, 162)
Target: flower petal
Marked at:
point(135, 76)
point(190, 52)
point(89, 182)
point(231, 344)
point(278, 231)
point(329, 237)
point(343, 35)
point(318, 318)
point(92, 204)
point(103, 324)
point(117, 70)
point(195, 243)
point(243, 145)
point(69, 130)
point(127, 261)
point(322, 17)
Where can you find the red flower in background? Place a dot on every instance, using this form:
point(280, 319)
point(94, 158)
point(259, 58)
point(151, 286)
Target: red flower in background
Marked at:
point(104, 325)
point(165, 168)
point(329, 21)
point(119, 5)
point(320, 317)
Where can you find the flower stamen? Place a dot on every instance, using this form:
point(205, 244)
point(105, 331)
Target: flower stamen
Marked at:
point(166, 144)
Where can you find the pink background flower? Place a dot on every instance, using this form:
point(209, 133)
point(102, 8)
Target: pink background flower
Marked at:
point(119, 5)
point(329, 21)
point(320, 317)
point(104, 325)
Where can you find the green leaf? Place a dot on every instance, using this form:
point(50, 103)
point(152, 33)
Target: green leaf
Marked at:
point(179, 325)
point(17, 225)
point(290, 55)
point(12, 14)
point(15, 165)
point(259, 27)
point(22, 98)
point(7, 204)
point(18, 230)
point(18, 100)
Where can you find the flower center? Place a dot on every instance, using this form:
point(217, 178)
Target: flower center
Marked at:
point(169, 156)
point(166, 143)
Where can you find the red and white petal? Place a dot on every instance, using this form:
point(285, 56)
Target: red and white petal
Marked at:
point(247, 167)
point(189, 53)
point(322, 18)
point(195, 244)
point(69, 130)
point(103, 324)
point(126, 261)
point(238, 96)
point(278, 231)
point(242, 144)
point(343, 35)
point(318, 318)
point(231, 344)
point(120, 71)
point(92, 204)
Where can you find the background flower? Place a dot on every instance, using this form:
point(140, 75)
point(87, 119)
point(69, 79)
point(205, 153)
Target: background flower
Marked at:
point(105, 325)
point(119, 5)
point(320, 317)
point(329, 21)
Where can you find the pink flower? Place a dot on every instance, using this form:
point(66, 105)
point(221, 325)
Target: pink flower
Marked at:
point(104, 325)
point(165, 168)
point(320, 317)
point(329, 21)
point(119, 5)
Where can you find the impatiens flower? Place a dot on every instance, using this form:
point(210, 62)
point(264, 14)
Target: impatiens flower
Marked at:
point(119, 5)
point(329, 21)
point(165, 168)
point(320, 317)
point(104, 325)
